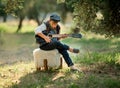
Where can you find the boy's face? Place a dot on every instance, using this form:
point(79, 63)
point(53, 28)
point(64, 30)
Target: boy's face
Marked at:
point(53, 24)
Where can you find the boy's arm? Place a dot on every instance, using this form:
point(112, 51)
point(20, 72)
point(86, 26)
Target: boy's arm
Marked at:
point(46, 38)
point(38, 31)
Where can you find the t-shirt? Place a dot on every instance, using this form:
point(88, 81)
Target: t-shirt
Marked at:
point(40, 28)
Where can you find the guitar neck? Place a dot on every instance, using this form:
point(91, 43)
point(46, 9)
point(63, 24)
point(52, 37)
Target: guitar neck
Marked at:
point(59, 35)
point(66, 35)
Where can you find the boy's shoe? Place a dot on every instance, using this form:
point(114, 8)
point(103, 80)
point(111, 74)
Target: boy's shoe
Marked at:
point(74, 50)
point(73, 68)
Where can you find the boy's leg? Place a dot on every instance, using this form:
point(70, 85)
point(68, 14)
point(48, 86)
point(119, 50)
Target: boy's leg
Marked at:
point(66, 57)
point(62, 48)
point(58, 45)
point(54, 45)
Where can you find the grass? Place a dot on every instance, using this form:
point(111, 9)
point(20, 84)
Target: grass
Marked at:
point(99, 59)
point(26, 77)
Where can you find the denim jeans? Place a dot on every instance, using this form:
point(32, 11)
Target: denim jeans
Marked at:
point(62, 48)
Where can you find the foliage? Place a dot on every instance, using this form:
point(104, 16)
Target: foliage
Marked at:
point(13, 5)
point(99, 16)
point(32, 9)
point(2, 11)
point(37, 7)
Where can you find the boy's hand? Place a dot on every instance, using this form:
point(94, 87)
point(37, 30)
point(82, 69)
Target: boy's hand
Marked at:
point(64, 36)
point(47, 39)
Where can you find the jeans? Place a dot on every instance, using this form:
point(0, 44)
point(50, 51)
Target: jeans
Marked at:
point(62, 48)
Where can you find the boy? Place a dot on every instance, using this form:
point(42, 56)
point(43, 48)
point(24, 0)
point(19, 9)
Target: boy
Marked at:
point(47, 43)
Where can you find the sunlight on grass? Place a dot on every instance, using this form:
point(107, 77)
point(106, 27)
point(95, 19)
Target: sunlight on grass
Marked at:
point(23, 75)
point(11, 27)
point(28, 26)
point(8, 27)
point(10, 74)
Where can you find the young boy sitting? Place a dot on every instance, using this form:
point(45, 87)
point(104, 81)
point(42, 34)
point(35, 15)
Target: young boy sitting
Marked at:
point(47, 43)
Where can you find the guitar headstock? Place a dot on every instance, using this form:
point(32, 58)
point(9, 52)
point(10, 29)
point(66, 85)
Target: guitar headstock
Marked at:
point(76, 35)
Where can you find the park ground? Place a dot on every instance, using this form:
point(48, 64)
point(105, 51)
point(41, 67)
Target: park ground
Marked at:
point(99, 59)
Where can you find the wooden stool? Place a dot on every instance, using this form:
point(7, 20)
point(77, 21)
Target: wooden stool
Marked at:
point(47, 59)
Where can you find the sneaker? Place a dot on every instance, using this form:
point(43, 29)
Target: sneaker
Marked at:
point(73, 68)
point(74, 50)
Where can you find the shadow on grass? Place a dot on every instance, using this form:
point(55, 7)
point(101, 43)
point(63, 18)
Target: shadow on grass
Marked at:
point(69, 80)
point(37, 79)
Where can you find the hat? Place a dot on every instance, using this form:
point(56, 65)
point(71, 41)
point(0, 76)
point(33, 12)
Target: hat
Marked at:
point(55, 17)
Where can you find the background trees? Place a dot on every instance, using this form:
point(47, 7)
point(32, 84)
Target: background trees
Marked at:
point(99, 16)
point(33, 9)
point(2, 11)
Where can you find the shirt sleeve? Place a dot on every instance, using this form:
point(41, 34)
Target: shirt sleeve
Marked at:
point(40, 28)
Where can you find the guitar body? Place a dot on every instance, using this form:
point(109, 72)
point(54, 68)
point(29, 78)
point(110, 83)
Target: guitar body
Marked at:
point(41, 41)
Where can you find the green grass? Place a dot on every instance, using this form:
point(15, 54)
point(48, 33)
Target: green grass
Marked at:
point(99, 59)
point(11, 27)
point(109, 58)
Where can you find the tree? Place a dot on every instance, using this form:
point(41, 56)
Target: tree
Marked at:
point(33, 9)
point(2, 11)
point(87, 15)
point(29, 8)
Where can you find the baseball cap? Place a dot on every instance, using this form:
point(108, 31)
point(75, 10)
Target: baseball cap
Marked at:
point(55, 17)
